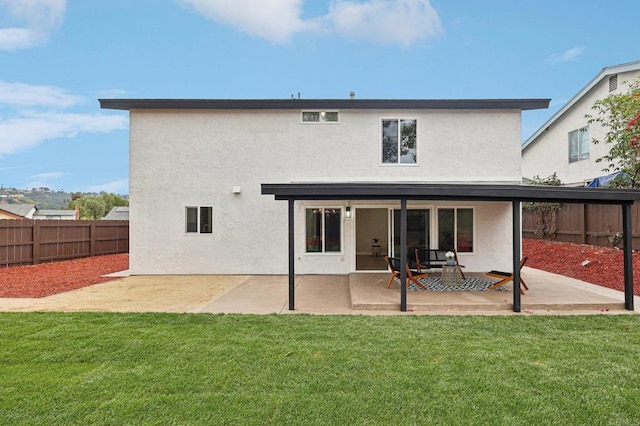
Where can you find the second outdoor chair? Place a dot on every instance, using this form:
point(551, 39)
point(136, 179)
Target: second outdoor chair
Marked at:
point(505, 277)
point(394, 266)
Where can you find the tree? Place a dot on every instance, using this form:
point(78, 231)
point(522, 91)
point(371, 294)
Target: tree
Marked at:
point(545, 212)
point(94, 207)
point(619, 114)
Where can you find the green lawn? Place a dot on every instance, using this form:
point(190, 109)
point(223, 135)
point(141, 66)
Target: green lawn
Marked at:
point(88, 368)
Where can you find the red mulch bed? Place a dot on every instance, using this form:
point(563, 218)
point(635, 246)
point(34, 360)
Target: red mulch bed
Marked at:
point(46, 279)
point(605, 266)
point(605, 269)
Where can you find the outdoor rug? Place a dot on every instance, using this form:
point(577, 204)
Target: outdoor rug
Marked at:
point(468, 284)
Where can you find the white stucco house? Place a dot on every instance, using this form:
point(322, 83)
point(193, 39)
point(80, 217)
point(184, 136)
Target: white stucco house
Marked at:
point(563, 145)
point(197, 167)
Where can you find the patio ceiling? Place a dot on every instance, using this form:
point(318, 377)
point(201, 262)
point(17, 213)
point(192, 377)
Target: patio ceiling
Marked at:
point(515, 194)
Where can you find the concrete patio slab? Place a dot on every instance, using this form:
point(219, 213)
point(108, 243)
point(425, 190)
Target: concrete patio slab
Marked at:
point(547, 293)
point(356, 294)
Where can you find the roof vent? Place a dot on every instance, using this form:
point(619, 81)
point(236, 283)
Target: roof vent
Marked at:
point(613, 82)
point(352, 95)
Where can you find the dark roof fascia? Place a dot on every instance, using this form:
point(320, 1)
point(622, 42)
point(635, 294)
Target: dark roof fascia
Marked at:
point(262, 104)
point(450, 192)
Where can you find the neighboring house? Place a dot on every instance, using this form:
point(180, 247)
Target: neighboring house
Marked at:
point(563, 145)
point(197, 166)
point(117, 213)
point(31, 211)
point(17, 211)
point(46, 214)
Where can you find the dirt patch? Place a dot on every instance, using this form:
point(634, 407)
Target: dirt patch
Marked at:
point(597, 265)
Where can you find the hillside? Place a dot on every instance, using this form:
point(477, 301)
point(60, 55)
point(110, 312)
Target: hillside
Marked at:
point(42, 197)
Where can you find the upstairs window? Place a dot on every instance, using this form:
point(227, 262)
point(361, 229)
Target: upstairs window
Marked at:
point(579, 144)
point(199, 220)
point(319, 116)
point(399, 141)
point(323, 230)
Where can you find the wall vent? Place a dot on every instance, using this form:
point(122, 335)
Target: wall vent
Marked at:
point(613, 82)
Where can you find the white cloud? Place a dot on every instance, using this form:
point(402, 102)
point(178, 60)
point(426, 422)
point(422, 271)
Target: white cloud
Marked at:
point(382, 21)
point(566, 56)
point(46, 180)
point(120, 186)
point(31, 129)
point(386, 21)
point(274, 20)
point(48, 175)
point(34, 20)
point(20, 94)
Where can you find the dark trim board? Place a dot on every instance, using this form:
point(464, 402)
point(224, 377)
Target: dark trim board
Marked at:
point(402, 192)
point(284, 104)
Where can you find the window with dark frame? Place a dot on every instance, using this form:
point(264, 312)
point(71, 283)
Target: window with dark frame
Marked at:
point(199, 220)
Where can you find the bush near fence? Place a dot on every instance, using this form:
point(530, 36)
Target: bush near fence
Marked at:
point(594, 224)
point(29, 242)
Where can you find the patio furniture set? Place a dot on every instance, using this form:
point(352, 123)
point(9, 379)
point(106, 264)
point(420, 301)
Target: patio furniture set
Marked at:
point(447, 260)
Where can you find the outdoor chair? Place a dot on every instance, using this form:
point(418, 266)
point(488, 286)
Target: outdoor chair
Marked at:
point(394, 266)
point(505, 277)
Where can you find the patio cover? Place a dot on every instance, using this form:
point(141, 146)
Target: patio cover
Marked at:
point(516, 194)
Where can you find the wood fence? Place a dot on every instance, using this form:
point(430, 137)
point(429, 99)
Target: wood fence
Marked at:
point(587, 224)
point(28, 242)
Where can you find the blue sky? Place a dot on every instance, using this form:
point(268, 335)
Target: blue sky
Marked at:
point(57, 57)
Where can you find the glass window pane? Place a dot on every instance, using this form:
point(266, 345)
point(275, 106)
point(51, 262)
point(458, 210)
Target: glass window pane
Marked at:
point(574, 146)
point(389, 141)
point(465, 230)
point(408, 152)
point(332, 229)
point(584, 143)
point(206, 220)
point(445, 229)
point(329, 116)
point(313, 230)
point(192, 219)
point(310, 116)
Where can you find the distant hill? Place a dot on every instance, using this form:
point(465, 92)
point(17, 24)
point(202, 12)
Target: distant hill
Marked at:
point(42, 197)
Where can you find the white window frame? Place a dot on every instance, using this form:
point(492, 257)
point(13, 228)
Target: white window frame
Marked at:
point(581, 155)
point(436, 234)
point(381, 142)
point(323, 252)
point(199, 230)
point(321, 119)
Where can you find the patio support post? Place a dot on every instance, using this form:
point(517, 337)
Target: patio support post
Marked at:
point(627, 239)
point(292, 258)
point(517, 226)
point(403, 255)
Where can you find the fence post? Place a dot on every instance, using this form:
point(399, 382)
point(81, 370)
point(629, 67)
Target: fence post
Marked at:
point(583, 224)
point(35, 249)
point(92, 237)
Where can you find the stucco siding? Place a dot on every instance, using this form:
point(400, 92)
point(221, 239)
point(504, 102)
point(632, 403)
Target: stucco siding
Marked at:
point(195, 158)
point(549, 153)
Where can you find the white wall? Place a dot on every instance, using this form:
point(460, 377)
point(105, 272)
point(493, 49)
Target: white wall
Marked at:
point(550, 152)
point(194, 158)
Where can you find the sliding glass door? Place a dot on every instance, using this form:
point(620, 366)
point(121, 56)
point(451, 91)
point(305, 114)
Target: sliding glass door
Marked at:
point(418, 229)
